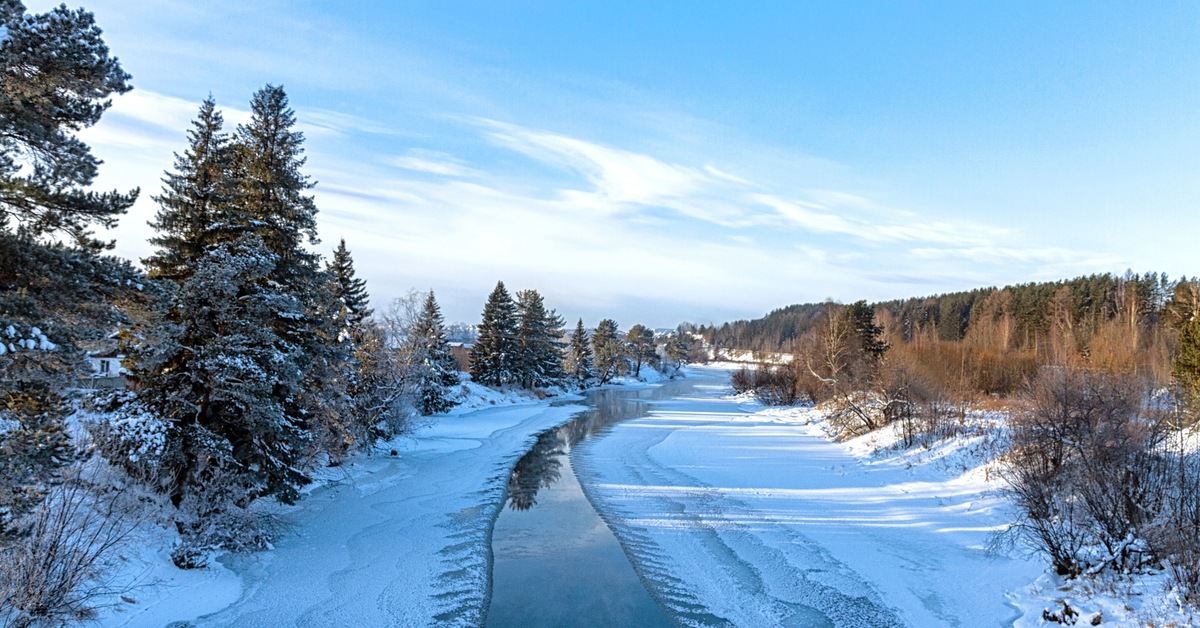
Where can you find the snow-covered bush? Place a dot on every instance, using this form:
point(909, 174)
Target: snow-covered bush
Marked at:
point(1087, 471)
point(128, 435)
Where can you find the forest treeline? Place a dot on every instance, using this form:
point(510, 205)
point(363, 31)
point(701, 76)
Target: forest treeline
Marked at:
point(1106, 321)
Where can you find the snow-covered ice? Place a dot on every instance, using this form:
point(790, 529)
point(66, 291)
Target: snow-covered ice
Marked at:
point(754, 517)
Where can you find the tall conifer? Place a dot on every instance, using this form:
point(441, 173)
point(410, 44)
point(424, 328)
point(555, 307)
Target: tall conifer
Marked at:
point(494, 354)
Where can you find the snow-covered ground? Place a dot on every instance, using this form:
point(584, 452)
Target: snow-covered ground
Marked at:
point(756, 517)
point(385, 540)
point(732, 513)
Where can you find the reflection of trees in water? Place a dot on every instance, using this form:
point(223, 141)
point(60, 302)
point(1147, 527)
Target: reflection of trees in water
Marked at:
point(536, 470)
point(542, 467)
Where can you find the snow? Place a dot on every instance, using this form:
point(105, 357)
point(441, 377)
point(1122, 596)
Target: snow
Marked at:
point(754, 516)
point(731, 513)
point(389, 539)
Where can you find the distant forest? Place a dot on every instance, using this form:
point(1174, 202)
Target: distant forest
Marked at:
point(1105, 319)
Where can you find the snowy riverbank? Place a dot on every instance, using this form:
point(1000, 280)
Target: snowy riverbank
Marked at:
point(384, 540)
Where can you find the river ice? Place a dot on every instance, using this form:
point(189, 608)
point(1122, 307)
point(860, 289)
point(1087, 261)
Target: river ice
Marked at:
point(751, 518)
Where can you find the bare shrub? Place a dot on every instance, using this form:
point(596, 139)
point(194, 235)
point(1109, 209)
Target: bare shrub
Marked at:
point(1086, 470)
point(777, 385)
point(50, 576)
point(742, 380)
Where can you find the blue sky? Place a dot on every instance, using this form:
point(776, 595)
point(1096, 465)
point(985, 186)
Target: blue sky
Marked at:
point(661, 162)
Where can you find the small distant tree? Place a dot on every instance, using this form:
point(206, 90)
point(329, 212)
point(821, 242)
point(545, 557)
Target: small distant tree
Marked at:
point(639, 347)
point(607, 350)
point(493, 356)
point(578, 362)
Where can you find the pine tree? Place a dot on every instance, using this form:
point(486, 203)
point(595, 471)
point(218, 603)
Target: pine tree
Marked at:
point(195, 207)
point(1183, 312)
point(578, 362)
point(493, 356)
point(56, 292)
point(58, 78)
point(538, 360)
point(437, 371)
point(351, 290)
point(639, 347)
point(606, 347)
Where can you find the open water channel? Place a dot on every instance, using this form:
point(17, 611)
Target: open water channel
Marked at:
point(556, 563)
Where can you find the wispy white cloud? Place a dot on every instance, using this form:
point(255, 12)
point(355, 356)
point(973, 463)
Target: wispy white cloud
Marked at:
point(611, 230)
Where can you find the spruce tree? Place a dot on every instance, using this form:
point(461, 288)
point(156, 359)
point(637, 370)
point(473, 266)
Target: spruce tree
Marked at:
point(493, 356)
point(436, 371)
point(274, 205)
point(221, 375)
point(351, 290)
point(195, 207)
point(607, 350)
point(578, 363)
point(538, 359)
point(247, 362)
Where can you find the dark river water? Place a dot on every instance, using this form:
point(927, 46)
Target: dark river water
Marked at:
point(555, 561)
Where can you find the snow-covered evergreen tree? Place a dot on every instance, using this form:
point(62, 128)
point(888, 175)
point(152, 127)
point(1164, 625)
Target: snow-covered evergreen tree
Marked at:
point(223, 376)
point(539, 356)
point(607, 350)
point(493, 358)
point(436, 371)
point(578, 362)
point(274, 205)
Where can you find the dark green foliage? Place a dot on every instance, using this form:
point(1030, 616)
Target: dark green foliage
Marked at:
point(248, 360)
point(223, 377)
point(607, 350)
point(1184, 314)
point(351, 290)
point(196, 207)
point(435, 369)
point(539, 354)
point(493, 358)
point(639, 347)
point(33, 450)
point(57, 77)
point(55, 296)
point(578, 363)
